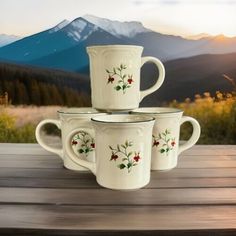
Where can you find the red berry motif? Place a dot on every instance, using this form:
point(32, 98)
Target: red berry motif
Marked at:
point(113, 157)
point(130, 80)
point(74, 142)
point(137, 158)
point(126, 159)
point(110, 80)
point(83, 142)
point(155, 143)
point(164, 141)
point(123, 80)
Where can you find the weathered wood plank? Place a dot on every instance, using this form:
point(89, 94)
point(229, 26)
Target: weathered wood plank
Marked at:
point(57, 163)
point(37, 193)
point(206, 164)
point(117, 232)
point(32, 157)
point(62, 173)
point(87, 183)
point(117, 217)
point(31, 163)
point(28, 149)
point(145, 197)
point(19, 148)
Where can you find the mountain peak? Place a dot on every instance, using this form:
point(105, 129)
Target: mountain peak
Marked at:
point(79, 29)
point(117, 28)
point(59, 26)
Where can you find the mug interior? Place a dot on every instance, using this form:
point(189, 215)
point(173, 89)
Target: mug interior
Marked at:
point(123, 119)
point(157, 110)
point(81, 110)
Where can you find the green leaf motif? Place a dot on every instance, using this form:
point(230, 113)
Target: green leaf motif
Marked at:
point(121, 152)
point(83, 141)
point(129, 154)
point(164, 141)
point(120, 78)
point(81, 150)
point(118, 147)
point(129, 165)
point(118, 88)
point(162, 150)
point(122, 166)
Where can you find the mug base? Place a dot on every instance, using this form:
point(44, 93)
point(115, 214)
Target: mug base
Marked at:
point(163, 170)
point(77, 168)
point(135, 188)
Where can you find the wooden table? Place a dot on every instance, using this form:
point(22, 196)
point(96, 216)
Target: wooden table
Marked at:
point(39, 197)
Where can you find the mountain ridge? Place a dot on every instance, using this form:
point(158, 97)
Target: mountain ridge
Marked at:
point(46, 48)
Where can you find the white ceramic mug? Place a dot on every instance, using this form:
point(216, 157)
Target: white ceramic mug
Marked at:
point(83, 141)
point(165, 137)
point(123, 151)
point(115, 76)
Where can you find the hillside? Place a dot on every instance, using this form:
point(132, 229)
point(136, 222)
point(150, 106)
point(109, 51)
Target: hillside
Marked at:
point(189, 76)
point(32, 85)
point(184, 78)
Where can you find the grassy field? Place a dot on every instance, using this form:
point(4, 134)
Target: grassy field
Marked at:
point(18, 123)
point(216, 114)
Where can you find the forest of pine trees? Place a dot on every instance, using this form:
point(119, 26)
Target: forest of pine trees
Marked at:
point(36, 86)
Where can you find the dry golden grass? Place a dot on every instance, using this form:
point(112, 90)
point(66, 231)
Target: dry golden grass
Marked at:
point(30, 114)
point(216, 115)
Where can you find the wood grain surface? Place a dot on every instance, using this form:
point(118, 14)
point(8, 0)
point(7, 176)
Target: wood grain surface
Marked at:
point(38, 196)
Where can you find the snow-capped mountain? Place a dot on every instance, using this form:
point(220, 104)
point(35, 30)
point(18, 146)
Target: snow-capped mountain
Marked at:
point(59, 26)
point(61, 37)
point(80, 29)
point(64, 46)
point(7, 39)
point(117, 28)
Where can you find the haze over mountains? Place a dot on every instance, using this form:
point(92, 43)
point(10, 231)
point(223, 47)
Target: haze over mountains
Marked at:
point(7, 39)
point(186, 60)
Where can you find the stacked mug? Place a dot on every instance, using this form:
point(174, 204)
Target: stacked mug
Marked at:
point(115, 139)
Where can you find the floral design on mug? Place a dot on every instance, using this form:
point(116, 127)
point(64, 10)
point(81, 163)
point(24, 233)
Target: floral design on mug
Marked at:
point(164, 141)
point(129, 158)
point(84, 141)
point(123, 81)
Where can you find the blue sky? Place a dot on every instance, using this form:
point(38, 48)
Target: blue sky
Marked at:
point(179, 17)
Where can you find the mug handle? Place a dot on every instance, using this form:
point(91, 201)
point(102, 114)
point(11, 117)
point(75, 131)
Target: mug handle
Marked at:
point(68, 148)
point(195, 135)
point(160, 79)
point(39, 139)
